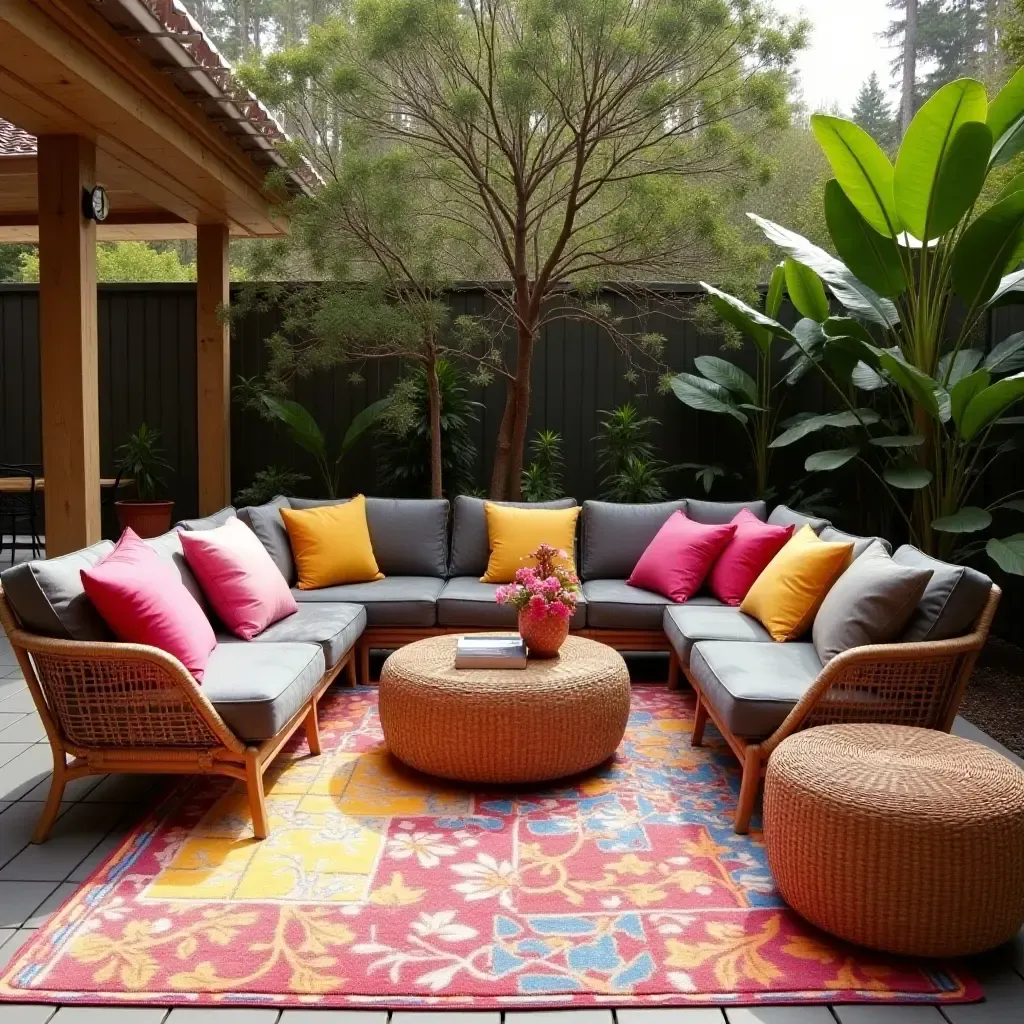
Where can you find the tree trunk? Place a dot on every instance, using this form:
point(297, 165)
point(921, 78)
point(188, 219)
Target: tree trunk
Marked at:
point(434, 412)
point(909, 66)
point(524, 365)
point(503, 448)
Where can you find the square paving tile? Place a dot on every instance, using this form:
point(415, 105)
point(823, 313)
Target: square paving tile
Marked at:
point(18, 700)
point(50, 905)
point(16, 826)
point(19, 899)
point(27, 729)
point(24, 772)
point(111, 1015)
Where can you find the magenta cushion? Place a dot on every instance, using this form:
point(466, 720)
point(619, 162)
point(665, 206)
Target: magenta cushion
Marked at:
point(142, 599)
point(754, 545)
point(238, 577)
point(677, 560)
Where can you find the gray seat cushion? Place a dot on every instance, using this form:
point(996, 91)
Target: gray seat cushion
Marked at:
point(753, 687)
point(266, 522)
point(715, 513)
point(688, 624)
point(615, 536)
point(783, 515)
point(256, 688)
point(335, 627)
point(465, 601)
point(470, 547)
point(168, 546)
point(208, 522)
point(614, 604)
point(860, 544)
point(392, 601)
point(951, 602)
point(409, 536)
point(48, 597)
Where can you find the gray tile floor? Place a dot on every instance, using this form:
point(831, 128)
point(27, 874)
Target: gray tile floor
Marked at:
point(35, 880)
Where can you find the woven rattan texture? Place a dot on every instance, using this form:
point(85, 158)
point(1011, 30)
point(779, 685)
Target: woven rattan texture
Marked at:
point(120, 702)
point(557, 717)
point(905, 840)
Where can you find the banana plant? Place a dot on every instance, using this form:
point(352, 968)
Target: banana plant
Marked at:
point(726, 389)
point(911, 238)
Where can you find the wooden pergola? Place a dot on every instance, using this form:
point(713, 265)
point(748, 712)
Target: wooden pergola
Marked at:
point(130, 95)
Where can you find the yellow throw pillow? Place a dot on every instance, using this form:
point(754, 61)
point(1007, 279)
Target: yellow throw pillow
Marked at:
point(331, 544)
point(787, 595)
point(515, 533)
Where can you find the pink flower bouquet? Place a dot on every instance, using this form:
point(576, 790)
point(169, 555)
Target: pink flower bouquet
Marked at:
point(545, 597)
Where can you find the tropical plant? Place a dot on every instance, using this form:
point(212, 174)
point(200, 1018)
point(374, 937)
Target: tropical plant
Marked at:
point(404, 435)
point(626, 457)
point(542, 478)
point(143, 460)
point(912, 239)
point(267, 483)
point(726, 389)
point(304, 430)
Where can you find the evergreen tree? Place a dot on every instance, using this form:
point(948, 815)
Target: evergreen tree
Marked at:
point(872, 112)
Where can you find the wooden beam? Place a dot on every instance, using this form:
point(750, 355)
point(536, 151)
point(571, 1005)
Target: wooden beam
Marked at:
point(68, 345)
point(213, 367)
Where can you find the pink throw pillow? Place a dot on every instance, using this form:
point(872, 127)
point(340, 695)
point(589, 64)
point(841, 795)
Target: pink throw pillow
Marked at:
point(677, 560)
point(142, 599)
point(754, 545)
point(238, 577)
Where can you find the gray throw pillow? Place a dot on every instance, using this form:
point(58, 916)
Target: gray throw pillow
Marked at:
point(207, 522)
point(783, 515)
point(860, 544)
point(615, 536)
point(266, 522)
point(718, 513)
point(870, 603)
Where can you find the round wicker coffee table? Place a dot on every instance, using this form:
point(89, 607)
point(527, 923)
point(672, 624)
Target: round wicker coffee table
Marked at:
point(556, 717)
point(903, 840)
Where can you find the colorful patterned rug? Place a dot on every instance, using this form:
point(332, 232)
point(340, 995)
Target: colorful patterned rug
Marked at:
point(379, 886)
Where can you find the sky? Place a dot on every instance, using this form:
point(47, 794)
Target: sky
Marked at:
point(844, 49)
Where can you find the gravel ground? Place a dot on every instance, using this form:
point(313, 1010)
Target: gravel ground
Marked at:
point(995, 697)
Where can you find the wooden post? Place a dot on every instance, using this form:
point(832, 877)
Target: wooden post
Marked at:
point(213, 367)
point(68, 345)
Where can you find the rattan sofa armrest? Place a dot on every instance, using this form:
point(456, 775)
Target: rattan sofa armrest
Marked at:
point(114, 665)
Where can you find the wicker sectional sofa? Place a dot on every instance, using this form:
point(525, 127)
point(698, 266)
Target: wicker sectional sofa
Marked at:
point(119, 707)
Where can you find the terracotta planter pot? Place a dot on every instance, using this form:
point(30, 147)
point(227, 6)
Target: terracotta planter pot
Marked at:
point(543, 634)
point(146, 518)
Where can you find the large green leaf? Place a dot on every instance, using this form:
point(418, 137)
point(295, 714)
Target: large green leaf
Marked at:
point(1007, 356)
point(705, 396)
point(362, 422)
point(873, 258)
point(302, 428)
point(825, 462)
point(806, 291)
point(776, 291)
point(968, 520)
point(901, 441)
point(923, 390)
point(962, 393)
point(836, 420)
point(1006, 118)
point(907, 478)
point(728, 375)
point(986, 249)
point(805, 350)
point(861, 168)
point(856, 296)
point(961, 177)
point(1015, 184)
point(926, 146)
point(1008, 289)
point(749, 320)
point(988, 405)
point(1008, 553)
point(964, 362)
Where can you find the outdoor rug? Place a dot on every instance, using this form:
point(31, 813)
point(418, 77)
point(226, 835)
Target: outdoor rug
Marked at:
point(379, 886)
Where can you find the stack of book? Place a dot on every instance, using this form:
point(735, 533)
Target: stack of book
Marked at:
point(480, 651)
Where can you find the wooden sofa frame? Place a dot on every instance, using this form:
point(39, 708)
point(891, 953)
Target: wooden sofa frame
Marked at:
point(116, 707)
point(917, 684)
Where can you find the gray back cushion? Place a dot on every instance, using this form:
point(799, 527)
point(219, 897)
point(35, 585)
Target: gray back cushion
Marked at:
point(266, 522)
point(168, 546)
point(715, 513)
point(470, 547)
point(409, 535)
point(615, 536)
point(860, 544)
point(951, 602)
point(48, 596)
point(870, 603)
point(208, 522)
point(783, 515)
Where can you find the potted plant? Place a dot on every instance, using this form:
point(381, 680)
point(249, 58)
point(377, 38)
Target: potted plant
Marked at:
point(141, 459)
point(546, 597)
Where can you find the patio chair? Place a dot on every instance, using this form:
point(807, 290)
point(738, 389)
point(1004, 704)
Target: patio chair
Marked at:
point(20, 507)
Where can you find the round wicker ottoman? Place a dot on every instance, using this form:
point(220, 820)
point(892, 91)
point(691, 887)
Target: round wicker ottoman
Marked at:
point(554, 718)
point(903, 840)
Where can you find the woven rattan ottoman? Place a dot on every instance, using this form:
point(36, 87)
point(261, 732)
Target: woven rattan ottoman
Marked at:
point(556, 717)
point(905, 840)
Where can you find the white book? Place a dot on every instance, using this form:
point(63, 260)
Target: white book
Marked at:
point(481, 651)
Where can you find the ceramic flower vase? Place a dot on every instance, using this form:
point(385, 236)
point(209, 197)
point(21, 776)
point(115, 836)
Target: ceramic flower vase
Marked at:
point(543, 634)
